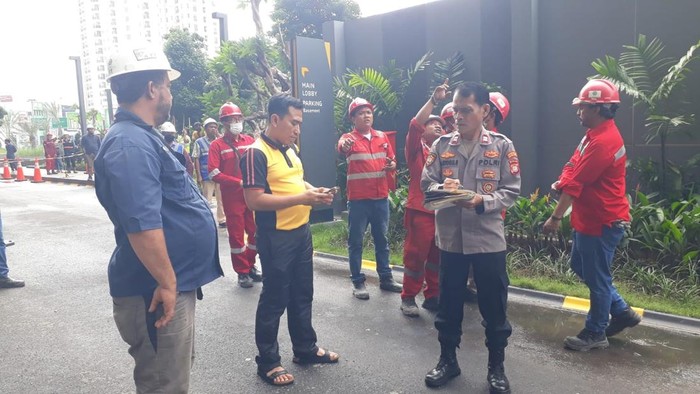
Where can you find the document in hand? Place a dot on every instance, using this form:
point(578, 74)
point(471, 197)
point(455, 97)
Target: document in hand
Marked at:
point(438, 199)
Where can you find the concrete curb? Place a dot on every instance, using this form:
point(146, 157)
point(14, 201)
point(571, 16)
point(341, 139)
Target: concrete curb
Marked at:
point(678, 323)
point(71, 181)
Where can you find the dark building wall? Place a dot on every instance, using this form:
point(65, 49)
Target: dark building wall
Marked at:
point(540, 53)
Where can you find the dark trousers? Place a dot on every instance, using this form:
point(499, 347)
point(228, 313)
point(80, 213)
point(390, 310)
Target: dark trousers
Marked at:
point(491, 280)
point(70, 162)
point(288, 283)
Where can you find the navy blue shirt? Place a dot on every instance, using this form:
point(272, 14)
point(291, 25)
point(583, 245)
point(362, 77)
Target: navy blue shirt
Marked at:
point(90, 143)
point(142, 186)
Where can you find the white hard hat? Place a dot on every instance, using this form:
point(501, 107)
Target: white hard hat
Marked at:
point(140, 58)
point(167, 127)
point(209, 120)
point(89, 126)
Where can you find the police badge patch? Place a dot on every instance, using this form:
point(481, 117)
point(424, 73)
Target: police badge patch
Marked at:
point(514, 168)
point(447, 172)
point(431, 158)
point(487, 187)
point(491, 154)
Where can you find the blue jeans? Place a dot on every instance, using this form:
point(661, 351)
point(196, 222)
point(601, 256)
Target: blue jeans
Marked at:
point(360, 214)
point(3, 257)
point(591, 258)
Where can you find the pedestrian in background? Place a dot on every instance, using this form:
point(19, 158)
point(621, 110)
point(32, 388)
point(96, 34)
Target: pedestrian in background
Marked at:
point(200, 154)
point(224, 168)
point(10, 154)
point(91, 145)
point(50, 153)
point(70, 150)
point(273, 178)
point(592, 182)
point(166, 237)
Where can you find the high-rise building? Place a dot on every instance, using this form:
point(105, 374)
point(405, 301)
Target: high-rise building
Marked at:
point(107, 24)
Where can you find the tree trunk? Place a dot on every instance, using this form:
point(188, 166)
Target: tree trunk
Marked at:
point(260, 49)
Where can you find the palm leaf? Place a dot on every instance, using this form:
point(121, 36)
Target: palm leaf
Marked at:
point(610, 69)
point(675, 75)
point(452, 68)
point(378, 88)
point(644, 64)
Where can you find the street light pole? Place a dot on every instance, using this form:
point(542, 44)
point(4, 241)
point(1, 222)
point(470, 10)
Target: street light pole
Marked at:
point(81, 98)
point(110, 108)
point(223, 25)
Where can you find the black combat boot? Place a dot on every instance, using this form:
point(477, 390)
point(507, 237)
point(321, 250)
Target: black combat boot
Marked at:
point(446, 369)
point(498, 382)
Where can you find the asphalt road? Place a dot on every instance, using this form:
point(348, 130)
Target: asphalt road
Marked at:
point(57, 334)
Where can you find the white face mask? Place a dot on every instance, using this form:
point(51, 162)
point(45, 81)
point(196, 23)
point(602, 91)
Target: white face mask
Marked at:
point(236, 128)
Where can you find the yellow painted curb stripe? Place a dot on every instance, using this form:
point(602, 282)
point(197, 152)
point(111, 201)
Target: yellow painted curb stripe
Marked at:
point(369, 264)
point(582, 304)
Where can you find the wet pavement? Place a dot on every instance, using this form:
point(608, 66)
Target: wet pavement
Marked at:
point(57, 334)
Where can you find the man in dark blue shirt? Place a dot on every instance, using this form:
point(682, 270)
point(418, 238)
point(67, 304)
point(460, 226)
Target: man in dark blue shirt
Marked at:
point(91, 145)
point(165, 233)
point(11, 150)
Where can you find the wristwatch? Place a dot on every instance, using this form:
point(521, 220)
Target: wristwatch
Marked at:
point(557, 218)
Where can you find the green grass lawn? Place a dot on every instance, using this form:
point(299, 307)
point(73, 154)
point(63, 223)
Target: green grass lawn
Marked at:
point(332, 238)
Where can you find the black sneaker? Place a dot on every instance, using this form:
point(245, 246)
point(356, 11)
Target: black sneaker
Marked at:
point(222, 225)
point(470, 296)
point(255, 275)
point(360, 292)
point(390, 284)
point(431, 304)
point(586, 340)
point(409, 307)
point(627, 319)
point(447, 368)
point(245, 281)
point(8, 283)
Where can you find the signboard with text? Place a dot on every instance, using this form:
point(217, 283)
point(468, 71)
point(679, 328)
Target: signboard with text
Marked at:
point(313, 84)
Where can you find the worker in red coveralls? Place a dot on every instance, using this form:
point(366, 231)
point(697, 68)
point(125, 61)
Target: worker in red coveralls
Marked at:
point(224, 168)
point(50, 153)
point(593, 183)
point(421, 258)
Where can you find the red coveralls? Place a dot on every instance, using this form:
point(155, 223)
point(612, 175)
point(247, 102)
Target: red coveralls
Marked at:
point(50, 153)
point(421, 258)
point(224, 168)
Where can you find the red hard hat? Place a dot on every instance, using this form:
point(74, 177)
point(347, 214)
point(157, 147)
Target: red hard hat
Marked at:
point(229, 109)
point(358, 103)
point(501, 103)
point(598, 91)
point(447, 111)
point(435, 117)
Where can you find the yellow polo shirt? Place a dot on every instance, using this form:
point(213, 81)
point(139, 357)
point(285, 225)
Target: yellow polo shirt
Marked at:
point(278, 170)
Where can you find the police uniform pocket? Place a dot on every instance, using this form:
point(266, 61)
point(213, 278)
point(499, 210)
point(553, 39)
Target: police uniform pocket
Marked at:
point(487, 179)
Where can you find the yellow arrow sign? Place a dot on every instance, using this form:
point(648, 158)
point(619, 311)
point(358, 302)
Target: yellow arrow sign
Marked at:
point(304, 71)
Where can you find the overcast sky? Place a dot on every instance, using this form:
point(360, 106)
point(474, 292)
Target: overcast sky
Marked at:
point(38, 36)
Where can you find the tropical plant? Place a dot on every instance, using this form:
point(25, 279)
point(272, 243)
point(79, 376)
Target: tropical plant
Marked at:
point(92, 116)
point(305, 17)
point(656, 82)
point(53, 113)
point(385, 88)
point(10, 124)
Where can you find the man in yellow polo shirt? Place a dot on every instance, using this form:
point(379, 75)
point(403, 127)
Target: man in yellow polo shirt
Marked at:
point(274, 188)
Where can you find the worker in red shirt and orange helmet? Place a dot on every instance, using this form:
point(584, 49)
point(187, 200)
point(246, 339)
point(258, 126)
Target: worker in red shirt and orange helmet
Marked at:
point(592, 182)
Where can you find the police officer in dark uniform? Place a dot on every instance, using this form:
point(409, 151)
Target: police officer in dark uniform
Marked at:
point(471, 233)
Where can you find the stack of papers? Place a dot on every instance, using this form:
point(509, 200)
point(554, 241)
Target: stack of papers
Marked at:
point(438, 199)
